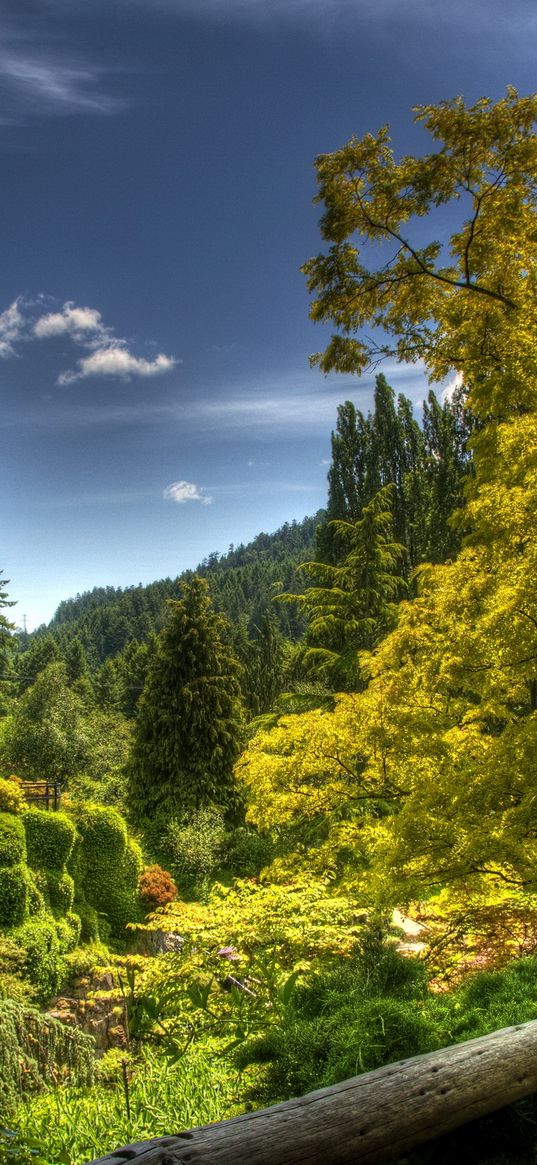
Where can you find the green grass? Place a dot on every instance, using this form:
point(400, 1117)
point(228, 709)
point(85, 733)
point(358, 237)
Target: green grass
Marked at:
point(75, 1126)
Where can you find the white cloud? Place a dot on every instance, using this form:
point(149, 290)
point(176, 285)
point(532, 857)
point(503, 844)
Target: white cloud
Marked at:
point(186, 491)
point(106, 355)
point(79, 322)
point(455, 382)
point(116, 360)
point(12, 328)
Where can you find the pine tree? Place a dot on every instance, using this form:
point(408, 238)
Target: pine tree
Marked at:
point(43, 650)
point(354, 604)
point(189, 725)
point(7, 642)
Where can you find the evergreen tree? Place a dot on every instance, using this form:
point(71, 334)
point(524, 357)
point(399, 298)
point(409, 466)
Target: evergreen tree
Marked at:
point(132, 664)
point(42, 651)
point(355, 603)
point(189, 725)
point(446, 430)
point(75, 660)
point(413, 483)
point(7, 643)
point(263, 660)
point(107, 685)
point(348, 485)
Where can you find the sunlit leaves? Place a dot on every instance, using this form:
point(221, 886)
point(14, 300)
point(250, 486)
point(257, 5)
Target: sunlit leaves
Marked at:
point(452, 302)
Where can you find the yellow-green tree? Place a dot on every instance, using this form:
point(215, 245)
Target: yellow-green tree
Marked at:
point(457, 301)
point(447, 729)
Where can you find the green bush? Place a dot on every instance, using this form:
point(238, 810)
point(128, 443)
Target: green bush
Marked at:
point(12, 986)
point(60, 889)
point(496, 999)
point(103, 835)
point(246, 852)
point(13, 895)
point(12, 840)
point(360, 1013)
point(50, 839)
point(194, 848)
point(90, 930)
point(11, 795)
point(123, 902)
point(68, 930)
point(43, 955)
point(36, 897)
point(106, 865)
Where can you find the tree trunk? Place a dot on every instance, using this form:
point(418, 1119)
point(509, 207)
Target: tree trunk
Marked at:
point(367, 1119)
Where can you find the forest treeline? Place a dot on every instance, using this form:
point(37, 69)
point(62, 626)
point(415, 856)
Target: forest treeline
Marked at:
point(105, 636)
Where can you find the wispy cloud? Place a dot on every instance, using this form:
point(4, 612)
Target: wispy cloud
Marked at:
point(49, 80)
point(288, 406)
point(186, 491)
point(116, 360)
point(324, 15)
point(303, 401)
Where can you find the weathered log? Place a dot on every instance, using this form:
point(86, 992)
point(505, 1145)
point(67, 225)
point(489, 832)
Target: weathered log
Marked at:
point(367, 1119)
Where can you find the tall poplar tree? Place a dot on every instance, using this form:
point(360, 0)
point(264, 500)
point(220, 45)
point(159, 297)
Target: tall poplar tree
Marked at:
point(427, 469)
point(189, 724)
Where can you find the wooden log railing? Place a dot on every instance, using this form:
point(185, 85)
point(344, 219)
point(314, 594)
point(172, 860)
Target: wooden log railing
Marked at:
point(47, 794)
point(370, 1118)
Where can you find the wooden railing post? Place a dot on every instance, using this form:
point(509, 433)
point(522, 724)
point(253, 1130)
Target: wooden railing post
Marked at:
point(364, 1120)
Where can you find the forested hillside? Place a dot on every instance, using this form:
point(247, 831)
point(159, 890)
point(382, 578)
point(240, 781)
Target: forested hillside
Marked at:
point(270, 765)
point(242, 583)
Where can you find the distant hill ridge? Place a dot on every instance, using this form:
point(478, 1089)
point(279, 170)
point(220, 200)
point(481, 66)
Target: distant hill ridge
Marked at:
point(242, 584)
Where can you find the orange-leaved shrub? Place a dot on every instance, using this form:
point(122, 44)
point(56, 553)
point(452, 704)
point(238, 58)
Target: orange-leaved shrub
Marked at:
point(156, 887)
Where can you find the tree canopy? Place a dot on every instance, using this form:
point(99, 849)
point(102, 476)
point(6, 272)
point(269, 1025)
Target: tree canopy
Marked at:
point(453, 304)
point(428, 773)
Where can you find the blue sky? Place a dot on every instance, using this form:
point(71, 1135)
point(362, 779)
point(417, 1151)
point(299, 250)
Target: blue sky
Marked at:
point(156, 205)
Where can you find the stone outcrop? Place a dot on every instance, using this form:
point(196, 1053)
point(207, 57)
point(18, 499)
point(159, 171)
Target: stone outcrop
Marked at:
point(96, 1006)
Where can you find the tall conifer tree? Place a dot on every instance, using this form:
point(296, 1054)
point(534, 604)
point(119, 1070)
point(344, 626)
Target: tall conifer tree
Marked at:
point(189, 725)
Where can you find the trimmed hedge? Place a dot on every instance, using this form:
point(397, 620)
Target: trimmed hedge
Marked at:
point(13, 895)
point(12, 840)
point(69, 930)
point(91, 929)
point(60, 891)
point(36, 897)
point(43, 949)
point(106, 865)
point(50, 838)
